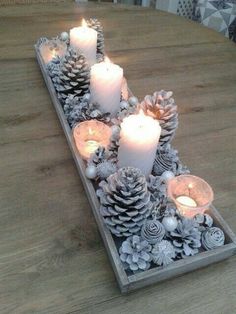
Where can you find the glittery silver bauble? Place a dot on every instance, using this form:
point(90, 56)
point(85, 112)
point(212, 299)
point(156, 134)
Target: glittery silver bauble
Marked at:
point(133, 101)
point(167, 175)
point(124, 104)
point(64, 36)
point(170, 223)
point(91, 172)
point(115, 130)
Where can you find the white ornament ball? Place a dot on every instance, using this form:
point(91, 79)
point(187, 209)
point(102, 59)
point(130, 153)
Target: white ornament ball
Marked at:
point(124, 104)
point(167, 175)
point(133, 101)
point(64, 36)
point(115, 130)
point(91, 172)
point(170, 223)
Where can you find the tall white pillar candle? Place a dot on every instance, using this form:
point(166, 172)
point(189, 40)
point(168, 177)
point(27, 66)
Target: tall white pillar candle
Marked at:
point(105, 85)
point(84, 40)
point(139, 138)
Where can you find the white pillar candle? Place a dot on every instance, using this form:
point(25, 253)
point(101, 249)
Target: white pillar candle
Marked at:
point(84, 40)
point(139, 138)
point(105, 85)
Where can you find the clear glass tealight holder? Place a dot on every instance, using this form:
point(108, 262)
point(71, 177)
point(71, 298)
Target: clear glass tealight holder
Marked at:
point(89, 135)
point(191, 195)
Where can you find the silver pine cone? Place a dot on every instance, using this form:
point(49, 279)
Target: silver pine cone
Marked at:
point(99, 156)
point(152, 231)
point(186, 237)
point(167, 159)
point(204, 221)
point(73, 77)
point(78, 109)
point(124, 201)
point(157, 188)
point(162, 107)
point(53, 67)
point(97, 26)
point(163, 253)
point(213, 238)
point(135, 254)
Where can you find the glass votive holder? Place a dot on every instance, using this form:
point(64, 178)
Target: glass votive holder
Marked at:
point(191, 195)
point(89, 135)
point(50, 49)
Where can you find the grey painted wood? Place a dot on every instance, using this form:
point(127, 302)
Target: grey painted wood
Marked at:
point(129, 283)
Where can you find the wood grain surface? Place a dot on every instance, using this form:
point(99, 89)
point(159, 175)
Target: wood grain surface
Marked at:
point(52, 259)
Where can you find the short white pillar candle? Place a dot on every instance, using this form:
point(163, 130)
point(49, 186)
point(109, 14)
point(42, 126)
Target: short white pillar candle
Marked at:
point(105, 85)
point(84, 40)
point(139, 138)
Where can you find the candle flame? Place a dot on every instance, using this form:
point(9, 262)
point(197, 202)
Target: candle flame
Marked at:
point(107, 60)
point(90, 131)
point(190, 186)
point(84, 24)
point(141, 112)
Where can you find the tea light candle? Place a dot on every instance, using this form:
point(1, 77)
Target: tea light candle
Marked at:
point(105, 86)
point(51, 49)
point(84, 40)
point(192, 195)
point(139, 138)
point(89, 135)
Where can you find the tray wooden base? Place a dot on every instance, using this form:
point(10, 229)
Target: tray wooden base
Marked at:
point(157, 274)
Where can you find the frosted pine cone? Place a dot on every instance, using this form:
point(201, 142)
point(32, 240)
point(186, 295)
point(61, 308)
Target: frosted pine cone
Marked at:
point(135, 254)
point(167, 160)
point(204, 221)
point(186, 237)
point(99, 156)
point(152, 231)
point(163, 253)
point(53, 67)
point(74, 76)
point(157, 188)
point(161, 106)
point(97, 26)
point(125, 201)
point(213, 238)
point(78, 109)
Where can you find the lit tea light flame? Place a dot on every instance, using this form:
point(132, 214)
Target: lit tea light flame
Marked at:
point(83, 23)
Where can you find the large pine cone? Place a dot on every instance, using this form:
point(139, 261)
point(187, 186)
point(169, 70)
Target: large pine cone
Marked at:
point(97, 26)
point(73, 77)
point(125, 201)
point(161, 106)
point(167, 159)
point(186, 238)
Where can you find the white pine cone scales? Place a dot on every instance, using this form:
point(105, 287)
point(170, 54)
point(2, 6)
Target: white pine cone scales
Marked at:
point(73, 77)
point(99, 156)
point(167, 159)
point(135, 254)
point(124, 201)
point(97, 26)
point(161, 106)
point(163, 253)
point(53, 67)
point(152, 231)
point(213, 238)
point(204, 221)
point(186, 237)
point(157, 188)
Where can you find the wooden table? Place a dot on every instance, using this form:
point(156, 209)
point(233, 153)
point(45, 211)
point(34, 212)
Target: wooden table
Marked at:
point(52, 259)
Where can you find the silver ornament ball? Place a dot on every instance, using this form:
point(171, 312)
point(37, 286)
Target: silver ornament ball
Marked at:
point(64, 36)
point(167, 175)
point(91, 172)
point(170, 223)
point(115, 130)
point(133, 101)
point(124, 105)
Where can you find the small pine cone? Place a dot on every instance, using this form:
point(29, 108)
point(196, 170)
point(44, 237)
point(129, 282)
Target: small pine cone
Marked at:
point(186, 237)
point(79, 109)
point(167, 160)
point(105, 169)
point(99, 156)
point(161, 106)
point(53, 67)
point(212, 238)
point(157, 188)
point(97, 26)
point(152, 231)
point(204, 221)
point(73, 77)
point(135, 254)
point(125, 201)
point(163, 253)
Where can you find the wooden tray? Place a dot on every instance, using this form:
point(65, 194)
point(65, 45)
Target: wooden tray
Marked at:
point(157, 274)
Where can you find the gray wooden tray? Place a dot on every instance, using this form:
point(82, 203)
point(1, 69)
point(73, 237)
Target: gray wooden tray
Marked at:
point(131, 282)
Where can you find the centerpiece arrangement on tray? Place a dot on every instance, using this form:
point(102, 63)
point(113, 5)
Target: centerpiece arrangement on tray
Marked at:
point(155, 210)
